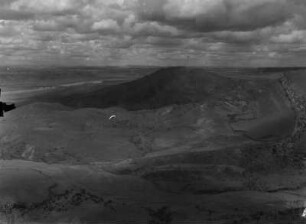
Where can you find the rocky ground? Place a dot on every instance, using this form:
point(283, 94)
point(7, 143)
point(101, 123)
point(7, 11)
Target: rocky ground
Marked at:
point(194, 146)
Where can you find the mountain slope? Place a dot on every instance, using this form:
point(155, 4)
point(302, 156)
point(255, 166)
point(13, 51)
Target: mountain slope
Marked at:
point(165, 87)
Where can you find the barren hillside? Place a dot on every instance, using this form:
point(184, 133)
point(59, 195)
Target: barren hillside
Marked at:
point(179, 145)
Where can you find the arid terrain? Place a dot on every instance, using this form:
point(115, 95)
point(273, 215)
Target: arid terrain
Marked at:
point(170, 145)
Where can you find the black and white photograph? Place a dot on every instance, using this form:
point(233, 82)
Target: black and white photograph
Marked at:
point(152, 111)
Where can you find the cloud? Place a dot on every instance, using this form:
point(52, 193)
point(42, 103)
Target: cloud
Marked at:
point(45, 6)
point(217, 15)
point(6, 31)
point(154, 31)
point(296, 36)
point(8, 14)
point(106, 25)
point(165, 42)
point(47, 25)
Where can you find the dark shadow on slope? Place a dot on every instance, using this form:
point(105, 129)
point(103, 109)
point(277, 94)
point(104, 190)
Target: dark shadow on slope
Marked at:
point(164, 87)
point(168, 86)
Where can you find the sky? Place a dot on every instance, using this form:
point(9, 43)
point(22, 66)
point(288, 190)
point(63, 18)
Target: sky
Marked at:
point(244, 33)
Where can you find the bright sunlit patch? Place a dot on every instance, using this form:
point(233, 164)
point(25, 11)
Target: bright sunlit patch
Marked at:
point(304, 213)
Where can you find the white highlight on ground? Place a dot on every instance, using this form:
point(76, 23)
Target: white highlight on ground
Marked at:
point(112, 117)
point(304, 213)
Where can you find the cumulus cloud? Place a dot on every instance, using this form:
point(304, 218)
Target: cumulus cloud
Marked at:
point(46, 25)
point(8, 14)
point(7, 31)
point(153, 28)
point(295, 36)
point(106, 25)
point(161, 31)
point(215, 15)
point(45, 6)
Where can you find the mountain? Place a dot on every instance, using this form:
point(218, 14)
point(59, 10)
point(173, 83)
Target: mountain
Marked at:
point(164, 87)
point(185, 145)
